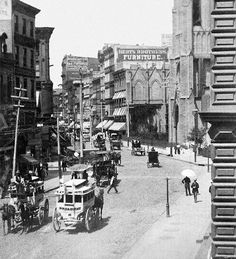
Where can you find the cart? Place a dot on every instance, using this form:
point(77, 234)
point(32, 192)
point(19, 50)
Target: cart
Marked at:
point(26, 196)
point(153, 159)
point(75, 205)
point(115, 142)
point(137, 148)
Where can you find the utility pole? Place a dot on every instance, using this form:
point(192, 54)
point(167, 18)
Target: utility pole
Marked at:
point(90, 126)
point(59, 150)
point(18, 105)
point(102, 114)
point(81, 118)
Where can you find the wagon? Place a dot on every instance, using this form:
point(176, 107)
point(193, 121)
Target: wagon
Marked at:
point(103, 171)
point(153, 159)
point(137, 148)
point(115, 142)
point(75, 205)
point(28, 196)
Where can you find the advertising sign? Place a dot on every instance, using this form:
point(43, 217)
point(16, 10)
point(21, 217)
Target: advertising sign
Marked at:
point(5, 9)
point(142, 54)
point(74, 64)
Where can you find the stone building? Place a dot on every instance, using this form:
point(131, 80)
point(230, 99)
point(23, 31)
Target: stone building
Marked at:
point(44, 85)
point(190, 67)
point(135, 94)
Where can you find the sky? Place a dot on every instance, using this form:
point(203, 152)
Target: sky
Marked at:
point(82, 27)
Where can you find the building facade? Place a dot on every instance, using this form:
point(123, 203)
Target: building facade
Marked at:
point(44, 85)
point(134, 87)
point(190, 67)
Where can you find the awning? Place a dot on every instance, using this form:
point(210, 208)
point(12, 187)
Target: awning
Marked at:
point(29, 159)
point(118, 126)
point(119, 111)
point(101, 124)
point(93, 96)
point(108, 124)
point(119, 95)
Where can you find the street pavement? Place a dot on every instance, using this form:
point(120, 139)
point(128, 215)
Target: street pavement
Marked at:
point(181, 235)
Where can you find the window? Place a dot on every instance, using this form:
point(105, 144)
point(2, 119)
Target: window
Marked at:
point(31, 29)
point(77, 198)
point(25, 86)
point(16, 23)
point(17, 82)
point(69, 198)
point(17, 55)
point(9, 87)
point(32, 59)
point(24, 57)
point(32, 89)
point(197, 12)
point(1, 88)
point(24, 26)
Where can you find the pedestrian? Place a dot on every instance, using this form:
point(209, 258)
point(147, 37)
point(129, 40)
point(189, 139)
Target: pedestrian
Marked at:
point(113, 183)
point(186, 181)
point(195, 187)
point(64, 165)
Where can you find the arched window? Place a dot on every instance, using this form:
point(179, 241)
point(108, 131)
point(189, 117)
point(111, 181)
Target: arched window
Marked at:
point(139, 91)
point(156, 91)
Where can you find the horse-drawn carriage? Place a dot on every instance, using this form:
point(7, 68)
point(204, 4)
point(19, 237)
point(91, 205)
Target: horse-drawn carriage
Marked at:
point(27, 204)
point(103, 171)
point(115, 142)
point(77, 203)
point(137, 148)
point(153, 159)
point(100, 142)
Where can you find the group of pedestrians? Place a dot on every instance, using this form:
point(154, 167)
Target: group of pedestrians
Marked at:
point(195, 186)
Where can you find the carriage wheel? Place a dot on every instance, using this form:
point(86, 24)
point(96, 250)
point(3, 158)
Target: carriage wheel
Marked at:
point(96, 217)
point(56, 221)
point(46, 210)
point(90, 219)
point(40, 216)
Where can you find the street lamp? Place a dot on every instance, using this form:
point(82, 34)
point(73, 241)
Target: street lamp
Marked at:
point(195, 114)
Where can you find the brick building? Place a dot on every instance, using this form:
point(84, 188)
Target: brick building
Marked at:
point(190, 67)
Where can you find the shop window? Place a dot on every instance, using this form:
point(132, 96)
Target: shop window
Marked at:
point(197, 12)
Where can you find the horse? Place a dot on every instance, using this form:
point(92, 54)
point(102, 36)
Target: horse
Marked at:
point(26, 216)
point(8, 215)
point(99, 201)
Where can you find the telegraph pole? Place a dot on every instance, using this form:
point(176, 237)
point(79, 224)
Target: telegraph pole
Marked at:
point(58, 150)
point(18, 105)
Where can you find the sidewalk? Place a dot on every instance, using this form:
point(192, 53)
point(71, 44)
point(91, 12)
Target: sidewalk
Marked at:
point(180, 235)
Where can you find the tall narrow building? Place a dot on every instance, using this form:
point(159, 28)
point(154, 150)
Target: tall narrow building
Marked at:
point(190, 67)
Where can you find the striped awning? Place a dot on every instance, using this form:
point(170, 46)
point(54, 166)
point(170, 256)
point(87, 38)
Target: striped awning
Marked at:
point(108, 124)
point(101, 124)
point(119, 111)
point(118, 126)
point(119, 95)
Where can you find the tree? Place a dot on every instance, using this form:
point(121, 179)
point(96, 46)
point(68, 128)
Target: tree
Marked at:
point(197, 135)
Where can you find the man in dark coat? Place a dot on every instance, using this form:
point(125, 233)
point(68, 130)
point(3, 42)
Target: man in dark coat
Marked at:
point(113, 183)
point(186, 181)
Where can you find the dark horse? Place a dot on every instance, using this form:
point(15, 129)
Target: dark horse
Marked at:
point(99, 201)
point(26, 216)
point(8, 215)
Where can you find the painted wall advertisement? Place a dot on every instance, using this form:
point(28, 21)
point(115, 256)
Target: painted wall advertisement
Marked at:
point(148, 54)
point(74, 66)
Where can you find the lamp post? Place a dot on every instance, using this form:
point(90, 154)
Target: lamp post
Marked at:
point(195, 114)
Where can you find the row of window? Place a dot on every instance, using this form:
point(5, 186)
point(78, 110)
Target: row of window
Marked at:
point(27, 27)
point(26, 86)
point(26, 55)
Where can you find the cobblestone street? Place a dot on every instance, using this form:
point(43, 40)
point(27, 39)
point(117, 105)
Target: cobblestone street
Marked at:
point(127, 215)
